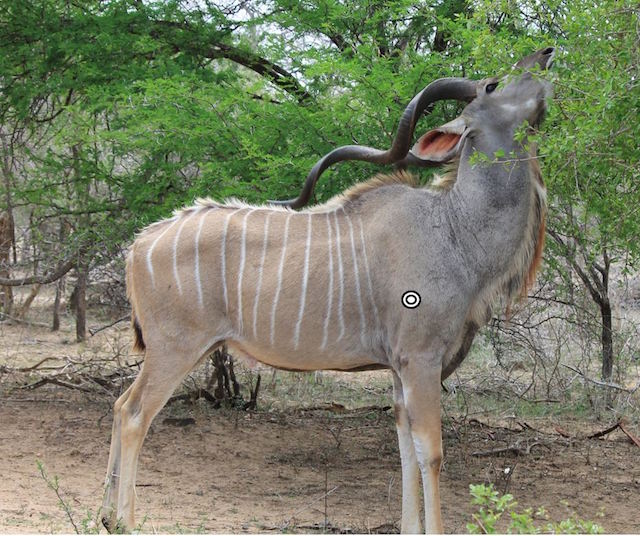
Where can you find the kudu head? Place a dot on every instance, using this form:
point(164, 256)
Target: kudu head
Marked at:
point(502, 105)
point(441, 145)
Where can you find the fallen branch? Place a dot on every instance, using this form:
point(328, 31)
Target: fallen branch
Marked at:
point(56, 381)
point(604, 432)
point(5, 316)
point(493, 427)
point(597, 382)
point(515, 448)
point(33, 367)
point(633, 438)
point(328, 528)
point(102, 328)
point(192, 396)
point(339, 408)
point(175, 421)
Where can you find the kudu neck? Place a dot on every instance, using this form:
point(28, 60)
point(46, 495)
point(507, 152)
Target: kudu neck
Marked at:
point(494, 170)
point(492, 195)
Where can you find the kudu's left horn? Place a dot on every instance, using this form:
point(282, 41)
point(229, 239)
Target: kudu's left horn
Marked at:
point(444, 88)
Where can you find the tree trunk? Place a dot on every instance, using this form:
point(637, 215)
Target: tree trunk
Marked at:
point(81, 302)
point(24, 307)
point(6, 241)
point(55, 325)
point(607, 339)
point(595, 277)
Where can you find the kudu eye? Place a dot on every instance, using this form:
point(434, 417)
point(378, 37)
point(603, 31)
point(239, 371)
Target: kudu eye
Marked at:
point(491, 87)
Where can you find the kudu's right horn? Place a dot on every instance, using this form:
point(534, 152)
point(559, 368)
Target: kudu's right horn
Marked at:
point(444, 88)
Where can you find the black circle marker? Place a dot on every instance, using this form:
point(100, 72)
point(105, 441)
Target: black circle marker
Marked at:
point(411, 299)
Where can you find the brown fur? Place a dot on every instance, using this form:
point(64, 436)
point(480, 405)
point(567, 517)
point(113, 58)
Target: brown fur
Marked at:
point(445, 182)
point(138, 341)
point(536, 261)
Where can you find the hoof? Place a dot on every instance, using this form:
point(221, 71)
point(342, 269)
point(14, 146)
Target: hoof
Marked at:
point(112, 526)
point(107, 524)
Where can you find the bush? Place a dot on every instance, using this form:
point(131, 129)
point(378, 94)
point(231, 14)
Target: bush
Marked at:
point(491, 507)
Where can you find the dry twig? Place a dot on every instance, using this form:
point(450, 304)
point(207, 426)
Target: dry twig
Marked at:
point(515, 449)
point(604, 432)
point(56, 381)
point(597, 382)
point(633, 438)
point(107, 326)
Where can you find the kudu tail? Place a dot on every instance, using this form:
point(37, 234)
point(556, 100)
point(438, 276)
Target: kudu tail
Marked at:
point(138, 340)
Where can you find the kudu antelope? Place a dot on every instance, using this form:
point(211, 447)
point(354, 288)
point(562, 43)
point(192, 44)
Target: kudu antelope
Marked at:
point(326, 288)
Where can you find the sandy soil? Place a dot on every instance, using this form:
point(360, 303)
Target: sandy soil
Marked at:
point(242, 472)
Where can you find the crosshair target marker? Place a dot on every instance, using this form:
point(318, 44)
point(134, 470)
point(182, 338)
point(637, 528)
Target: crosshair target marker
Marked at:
point(411, 299)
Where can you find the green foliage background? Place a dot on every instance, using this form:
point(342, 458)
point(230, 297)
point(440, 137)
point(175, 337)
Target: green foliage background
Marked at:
point(164, 101)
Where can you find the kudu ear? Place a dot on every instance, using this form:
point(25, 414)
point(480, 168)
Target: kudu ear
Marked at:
point(441, 144)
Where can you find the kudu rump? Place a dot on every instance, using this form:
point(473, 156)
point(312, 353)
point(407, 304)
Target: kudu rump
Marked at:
point(385, 275)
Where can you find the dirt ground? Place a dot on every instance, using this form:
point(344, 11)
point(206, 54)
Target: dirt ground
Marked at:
point(263, 472)
point(280, 469)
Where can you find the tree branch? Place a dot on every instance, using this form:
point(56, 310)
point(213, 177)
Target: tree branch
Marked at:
point(597, 382)
point(55, 114)
point(279, 76)
point(577, 269)
point(41, 280)
point(264, 67)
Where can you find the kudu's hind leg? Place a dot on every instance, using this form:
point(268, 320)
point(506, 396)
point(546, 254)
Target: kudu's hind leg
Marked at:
point(112, 479)
point(420, 379)
point(411, 523)
point(162, 372)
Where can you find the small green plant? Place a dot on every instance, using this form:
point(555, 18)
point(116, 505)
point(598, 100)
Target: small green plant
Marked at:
point(88, 524)
point(492, 506)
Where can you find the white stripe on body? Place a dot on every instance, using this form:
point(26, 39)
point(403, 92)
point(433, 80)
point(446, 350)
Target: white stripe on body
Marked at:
point(305, 279)
point(176, 275)
point(340, 278)
point(368, 273)
point(259, 284)
point(357, 276)
point(223, 257)
point(152, 247)
point(197, 256)
point(280, 268)
point(243, 254)
point(327, 317)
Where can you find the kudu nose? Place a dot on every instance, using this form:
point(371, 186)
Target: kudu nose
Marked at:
point(548, 54)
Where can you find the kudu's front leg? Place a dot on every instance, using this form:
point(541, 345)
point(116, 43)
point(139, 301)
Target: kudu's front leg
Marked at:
point(420, 378)
point(411, 523)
